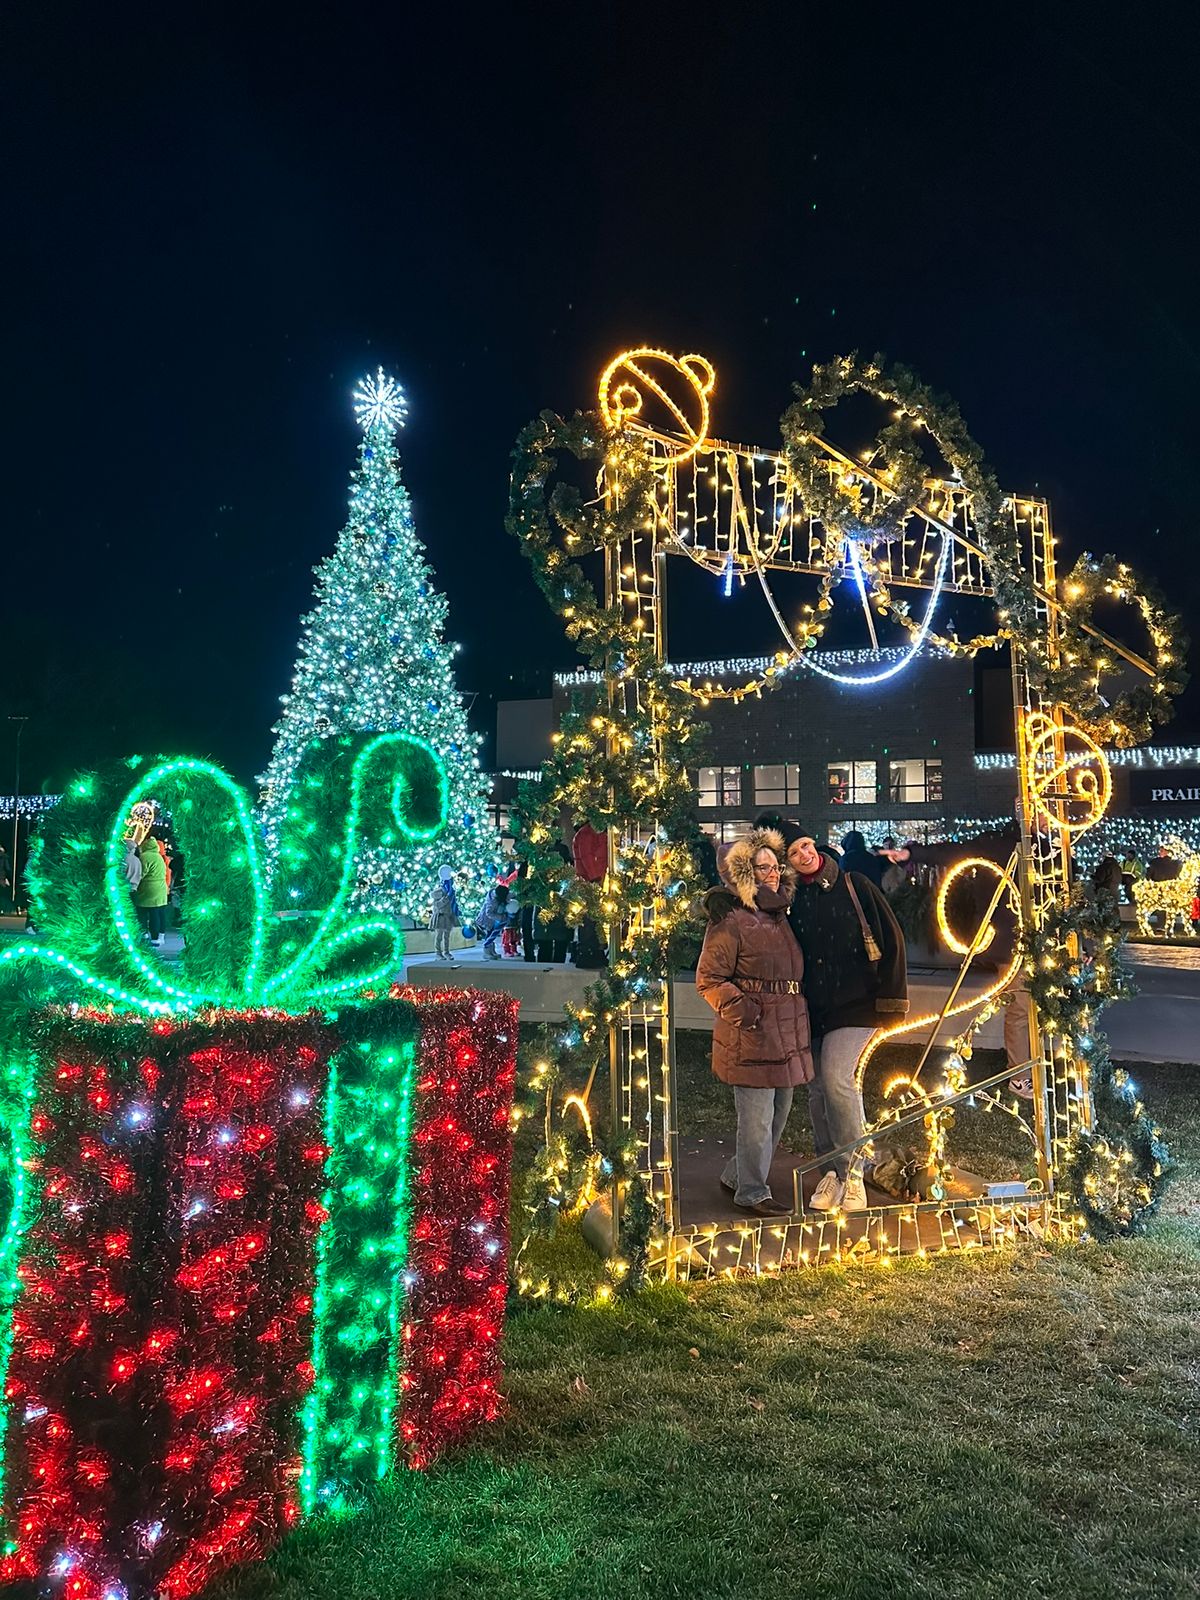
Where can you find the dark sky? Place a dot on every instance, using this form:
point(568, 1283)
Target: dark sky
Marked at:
point(216, 222)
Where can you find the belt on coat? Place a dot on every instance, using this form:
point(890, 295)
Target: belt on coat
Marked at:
point(769, 985)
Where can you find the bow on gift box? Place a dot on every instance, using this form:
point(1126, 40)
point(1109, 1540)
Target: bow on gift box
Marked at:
point(290, 943)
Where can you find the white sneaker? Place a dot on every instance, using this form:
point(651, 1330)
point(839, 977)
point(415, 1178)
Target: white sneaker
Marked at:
point(827, 1194)
point(854, 1195)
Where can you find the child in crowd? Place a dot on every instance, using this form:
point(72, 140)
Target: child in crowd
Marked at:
point(493, 919)
point(444, 914)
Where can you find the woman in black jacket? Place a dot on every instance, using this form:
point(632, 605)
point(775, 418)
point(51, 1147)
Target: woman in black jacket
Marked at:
point(855, 978)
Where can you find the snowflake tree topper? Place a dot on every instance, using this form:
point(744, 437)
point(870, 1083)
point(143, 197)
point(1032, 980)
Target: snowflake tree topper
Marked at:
point(380, 402)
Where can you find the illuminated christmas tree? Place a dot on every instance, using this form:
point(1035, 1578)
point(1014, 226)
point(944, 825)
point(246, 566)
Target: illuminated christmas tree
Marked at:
point(373, 658)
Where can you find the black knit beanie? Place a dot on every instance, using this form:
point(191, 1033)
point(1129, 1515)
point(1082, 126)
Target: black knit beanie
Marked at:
point(791, 831)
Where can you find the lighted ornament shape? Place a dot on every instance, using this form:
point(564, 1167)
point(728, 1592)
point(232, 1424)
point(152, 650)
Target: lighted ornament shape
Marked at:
point(1070, 784)
point(635, 376)
point(241, 949)
point(380, 402)
point(139, 822)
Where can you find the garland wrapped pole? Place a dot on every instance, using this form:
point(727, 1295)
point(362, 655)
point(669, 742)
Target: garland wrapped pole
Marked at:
point(884, 519)
point(255, 1250)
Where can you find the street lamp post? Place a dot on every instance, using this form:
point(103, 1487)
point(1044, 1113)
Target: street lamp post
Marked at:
point(20, 721)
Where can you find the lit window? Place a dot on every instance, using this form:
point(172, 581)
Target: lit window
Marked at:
point(777, 786)
point(917, 781)
point(720, 786)
point(852, 783)
point(879, 833)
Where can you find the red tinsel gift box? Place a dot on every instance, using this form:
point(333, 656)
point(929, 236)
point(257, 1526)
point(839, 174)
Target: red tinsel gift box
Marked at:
point(163, 1340)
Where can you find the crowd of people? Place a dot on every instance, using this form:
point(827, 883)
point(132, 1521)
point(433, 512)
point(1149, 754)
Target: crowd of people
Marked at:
point(508, 919)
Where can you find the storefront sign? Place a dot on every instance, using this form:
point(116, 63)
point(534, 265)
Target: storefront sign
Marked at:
point(1163, 788)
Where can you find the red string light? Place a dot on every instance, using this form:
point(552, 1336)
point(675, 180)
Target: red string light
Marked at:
point(162, 1339)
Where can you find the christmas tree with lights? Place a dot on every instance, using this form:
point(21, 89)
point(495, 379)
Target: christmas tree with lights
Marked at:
point(373, 659)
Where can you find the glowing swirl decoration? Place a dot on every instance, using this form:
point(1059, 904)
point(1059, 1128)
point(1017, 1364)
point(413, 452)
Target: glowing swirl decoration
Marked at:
point(1006, 883)
point(1070, 791)
point(630, 378)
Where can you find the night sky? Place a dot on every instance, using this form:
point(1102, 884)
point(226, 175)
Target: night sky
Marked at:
point(214, 226)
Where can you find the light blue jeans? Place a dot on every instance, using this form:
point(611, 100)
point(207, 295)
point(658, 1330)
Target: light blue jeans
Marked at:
point(835, 1103)
point(761, 1115)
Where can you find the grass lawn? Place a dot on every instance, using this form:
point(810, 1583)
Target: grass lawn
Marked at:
point(1020, 1425)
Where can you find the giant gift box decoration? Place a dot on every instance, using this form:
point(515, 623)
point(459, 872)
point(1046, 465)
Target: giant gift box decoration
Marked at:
point(255, 1241)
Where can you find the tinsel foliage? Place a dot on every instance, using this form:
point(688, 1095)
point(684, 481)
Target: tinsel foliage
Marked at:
point(242, 947)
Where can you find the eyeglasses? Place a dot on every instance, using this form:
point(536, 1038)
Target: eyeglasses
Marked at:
point(766, 867)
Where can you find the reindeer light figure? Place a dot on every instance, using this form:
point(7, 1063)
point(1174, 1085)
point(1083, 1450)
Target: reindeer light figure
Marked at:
point(1170, 897)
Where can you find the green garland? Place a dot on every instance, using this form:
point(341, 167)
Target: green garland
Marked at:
point(609, 769)
point(1131, 718)
point(840, 500)
point(1117, 1170)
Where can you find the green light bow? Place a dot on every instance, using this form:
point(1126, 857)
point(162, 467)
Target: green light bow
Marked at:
point(290, 944)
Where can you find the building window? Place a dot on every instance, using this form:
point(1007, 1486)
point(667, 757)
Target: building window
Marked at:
point(852, 783)
point(720, 786)
point(916, 782)
point(878, 831)
point(727, 830)
point(777, 786)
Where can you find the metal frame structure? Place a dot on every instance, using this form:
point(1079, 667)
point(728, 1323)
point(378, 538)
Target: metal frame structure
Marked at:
point(737, 510)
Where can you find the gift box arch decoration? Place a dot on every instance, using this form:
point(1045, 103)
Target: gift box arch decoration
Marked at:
point(890, 525)
point(256, 1198)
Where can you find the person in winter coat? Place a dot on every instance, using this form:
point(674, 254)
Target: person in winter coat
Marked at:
point(1164, 868)
point(1106, 879)
point(751, 972)
point(510, 936)
point(493, 919)
point(857, 858)
point(150, 896)
point(589, 848)
point(856, 978)
point(443, 914)
point(1131, 870)
point(131, 866)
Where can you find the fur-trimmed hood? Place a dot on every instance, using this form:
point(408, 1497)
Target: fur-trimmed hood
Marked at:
point(738, 866)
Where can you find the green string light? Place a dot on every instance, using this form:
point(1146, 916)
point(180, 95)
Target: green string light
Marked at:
point(347, 1420)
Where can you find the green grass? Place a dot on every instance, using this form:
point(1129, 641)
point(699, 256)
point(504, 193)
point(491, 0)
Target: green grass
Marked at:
point(1016, 1425)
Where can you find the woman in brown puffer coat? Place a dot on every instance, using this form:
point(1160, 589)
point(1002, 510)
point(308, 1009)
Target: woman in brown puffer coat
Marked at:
point(751, 973)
